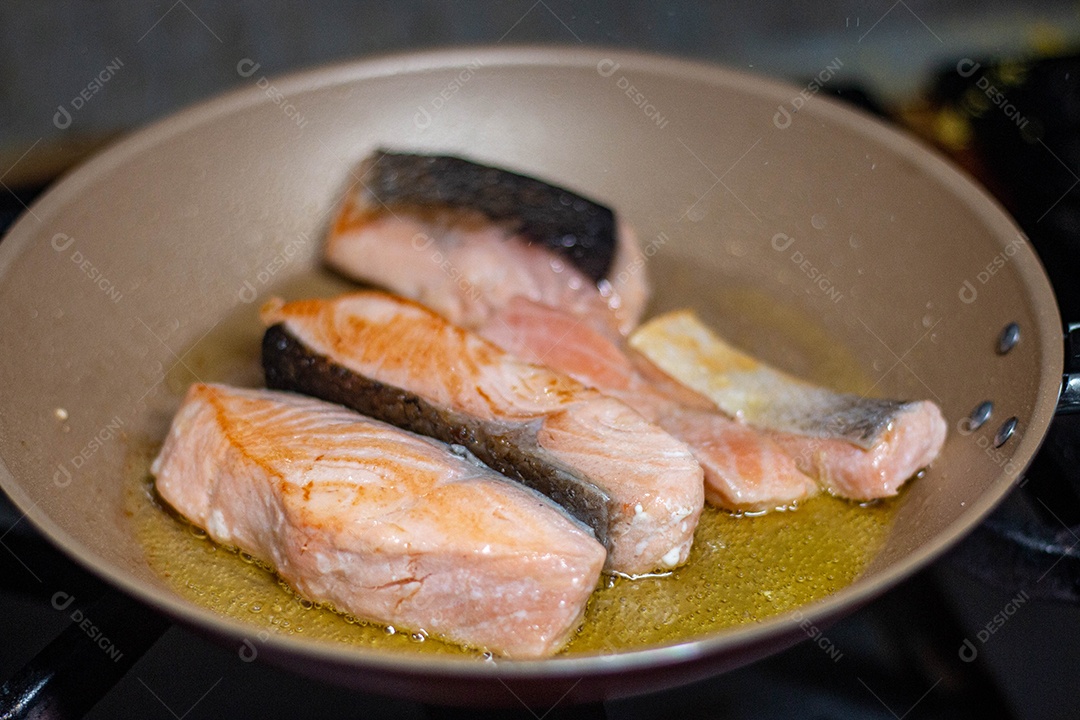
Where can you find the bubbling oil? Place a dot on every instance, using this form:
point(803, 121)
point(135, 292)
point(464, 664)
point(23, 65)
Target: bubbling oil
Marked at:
point(741, 569)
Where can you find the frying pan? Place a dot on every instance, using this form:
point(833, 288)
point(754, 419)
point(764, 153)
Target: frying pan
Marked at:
point(140, 252)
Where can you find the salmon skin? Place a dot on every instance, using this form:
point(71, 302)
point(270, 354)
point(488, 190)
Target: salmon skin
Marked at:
point(859, 448)
point(756, 393)
point(744, 470)
point(638, 488)
point(574, 227)
point(291, 365)
point(390, 526)
point(464, 238)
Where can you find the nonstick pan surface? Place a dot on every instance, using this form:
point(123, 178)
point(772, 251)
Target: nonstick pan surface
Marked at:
point(134, 257)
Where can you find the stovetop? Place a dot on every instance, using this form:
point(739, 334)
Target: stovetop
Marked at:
point(940, 645)
point(899, 657)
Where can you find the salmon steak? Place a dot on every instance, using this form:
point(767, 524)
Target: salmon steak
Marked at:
point(464, 238)
point(636, 486)
point(744, 469)
point(856, 447)
point(390, 526)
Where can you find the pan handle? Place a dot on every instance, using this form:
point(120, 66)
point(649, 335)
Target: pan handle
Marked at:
point(1031, 542)
point(1069, 399)
point(85, 661)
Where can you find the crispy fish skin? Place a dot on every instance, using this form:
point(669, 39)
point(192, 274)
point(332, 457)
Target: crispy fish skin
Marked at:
point(389, 526)
point(514, 452)
point(744, 469)
point(465, 255)
point(531, 413)
point(858, 448)
point(578, 229)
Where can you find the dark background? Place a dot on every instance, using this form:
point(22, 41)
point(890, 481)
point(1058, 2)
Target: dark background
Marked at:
point(175, 53)
point(901, 654)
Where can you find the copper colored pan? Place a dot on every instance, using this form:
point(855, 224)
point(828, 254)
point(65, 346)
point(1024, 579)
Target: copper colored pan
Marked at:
point(138, 253)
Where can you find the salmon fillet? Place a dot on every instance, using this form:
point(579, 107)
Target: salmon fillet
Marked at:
point(387, 525)
point(464, 238)
point(855, 447)
point(744, 470)
point(638, 488)
point(911, 442)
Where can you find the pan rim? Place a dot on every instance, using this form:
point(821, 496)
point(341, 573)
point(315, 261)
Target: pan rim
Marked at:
point(1029, 271)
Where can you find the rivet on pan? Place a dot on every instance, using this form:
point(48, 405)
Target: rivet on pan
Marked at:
point(980, 415)
point(1010, 335)
point(1005, 432)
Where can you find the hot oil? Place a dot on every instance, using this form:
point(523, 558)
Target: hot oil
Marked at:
point(741, 569)
point(234, 584)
